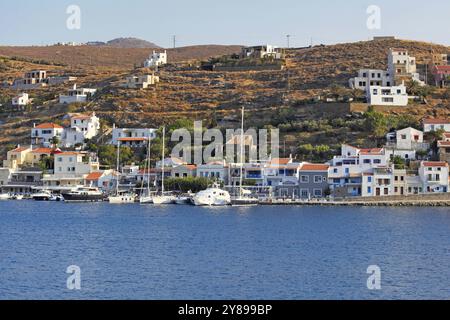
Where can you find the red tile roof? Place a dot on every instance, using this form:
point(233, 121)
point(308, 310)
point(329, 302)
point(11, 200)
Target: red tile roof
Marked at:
point(281, 161)
point(443, 144)
point(43, 150)
point(435, 164)
point(442, 68)
point(94, 176)
point(49, 126)
point(20, 149)
point(376, 151)
point(314, 167)
point(436, 121)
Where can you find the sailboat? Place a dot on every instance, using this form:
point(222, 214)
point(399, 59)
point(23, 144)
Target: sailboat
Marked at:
point(120, 197)
point(163, 198)
point(146, 198)
point(244, 198)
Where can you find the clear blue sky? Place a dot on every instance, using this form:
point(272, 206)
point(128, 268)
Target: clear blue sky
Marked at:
point(246, 22)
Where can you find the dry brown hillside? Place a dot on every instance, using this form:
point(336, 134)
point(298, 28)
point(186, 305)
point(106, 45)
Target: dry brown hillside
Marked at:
point(105, 56)
point(279, 98)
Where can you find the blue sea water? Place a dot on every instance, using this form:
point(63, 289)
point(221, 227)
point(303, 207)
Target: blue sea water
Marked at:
point(184, 252)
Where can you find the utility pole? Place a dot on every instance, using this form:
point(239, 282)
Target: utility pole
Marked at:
point(174, 38)
point(288, 41)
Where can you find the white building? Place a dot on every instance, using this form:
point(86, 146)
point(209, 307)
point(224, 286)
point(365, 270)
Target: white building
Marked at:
point(261, 52)
point(77, 95)
point(371, 77)
point(132, 137)
point(430, 125)
point(345, 174)
point(44, 133)
point(378, 183)
point(405, 143)
point(104, 180)
point(401, 66)
point(82, 127)
point(215, 170)
point(156, 59)
point(388, 96)
point(70, 170)
point(434, 176)
point(141, 82)
point(32, 80)
point(20, 100)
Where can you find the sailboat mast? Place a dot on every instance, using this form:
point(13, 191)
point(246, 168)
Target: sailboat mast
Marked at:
point(149, 163)
point(163, 152)
point(118, 167)
point(242, 153)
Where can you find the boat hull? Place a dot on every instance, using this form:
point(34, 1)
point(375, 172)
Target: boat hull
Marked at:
point(163, 200)
point(82, 198)
point(121, 200)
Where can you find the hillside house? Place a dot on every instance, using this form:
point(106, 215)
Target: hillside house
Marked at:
point(441, 75)
point(82, 127)
point(405, 143)
point(45, 132)
point(401, 67)
point(370, 77)
point(156, 59)
point(262, 52)
point(444, 148)
point(21, 101)
point(31, 80)
point(388, 96)
point(430, 125)
point(132, 137)
point(77, 95)
point(141, 82)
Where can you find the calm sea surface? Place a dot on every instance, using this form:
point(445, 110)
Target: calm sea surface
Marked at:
point(183, 252)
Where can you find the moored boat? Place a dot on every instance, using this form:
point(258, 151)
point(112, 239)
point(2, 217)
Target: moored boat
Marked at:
point(4, 196)
point(83, 194)
point(122, 198)
point(44, 195)
point(212, 197)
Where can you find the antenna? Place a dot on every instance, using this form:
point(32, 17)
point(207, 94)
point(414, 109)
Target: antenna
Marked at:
point(288, 37)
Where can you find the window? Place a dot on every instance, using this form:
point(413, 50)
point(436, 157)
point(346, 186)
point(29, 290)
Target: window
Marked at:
point(376, 161)
point(369, 190)
point(317, 192)
point(304, 179)
point(347, 170)
point(304, 193)
point(369, 179)
point(403, 136)
point(366, 161)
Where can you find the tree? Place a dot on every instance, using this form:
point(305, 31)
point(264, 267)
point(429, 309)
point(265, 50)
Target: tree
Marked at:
point(376, 123)
point(55, 141)
point(194, 184)
point(399, 163)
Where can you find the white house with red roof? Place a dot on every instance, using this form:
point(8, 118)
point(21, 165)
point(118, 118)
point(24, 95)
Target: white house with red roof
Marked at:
point(43, 134)
point(434, 176)
point(132, 137)
point(430, 125)
point(104, 180)
point(215, 170)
